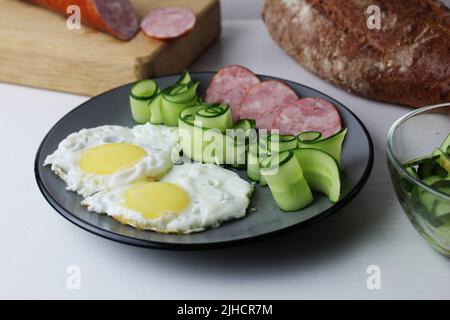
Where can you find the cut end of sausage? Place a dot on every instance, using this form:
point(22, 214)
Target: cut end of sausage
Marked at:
point(168, 22)
point(118, 17)
point(230, 85)
point(264, 101)
point(308, 114)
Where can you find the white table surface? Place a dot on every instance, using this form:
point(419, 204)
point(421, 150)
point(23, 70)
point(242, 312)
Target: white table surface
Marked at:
point(326, 260)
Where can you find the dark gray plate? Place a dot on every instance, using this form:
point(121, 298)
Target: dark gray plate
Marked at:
point(268, 221)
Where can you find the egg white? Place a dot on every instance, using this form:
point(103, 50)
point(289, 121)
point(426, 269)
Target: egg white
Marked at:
point(159, 142)
point(216, 195)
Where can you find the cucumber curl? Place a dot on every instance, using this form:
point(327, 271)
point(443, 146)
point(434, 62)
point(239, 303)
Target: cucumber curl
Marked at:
point(207, 135)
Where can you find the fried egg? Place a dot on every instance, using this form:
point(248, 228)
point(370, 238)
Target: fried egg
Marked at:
point(105, 157)
point(190, 198)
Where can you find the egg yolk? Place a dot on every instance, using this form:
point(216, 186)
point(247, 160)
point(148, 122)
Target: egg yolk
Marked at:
point(111, 157)
point(153, 199)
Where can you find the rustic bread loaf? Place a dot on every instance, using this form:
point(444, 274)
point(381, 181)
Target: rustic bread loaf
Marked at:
point(406, 62)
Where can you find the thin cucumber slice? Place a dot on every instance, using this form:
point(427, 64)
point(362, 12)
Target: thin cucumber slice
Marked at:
point(321, 171)
point(253, 171)
point(245, 124)
point(144, 89)
point(258, 149)
point(217, 116)
point(141, 94)
point(280, 143)
point(140, 110)
point(175, 99)
point(309, 136)
point(185, 78)
point(287, 184)
point(155, 110)
point(236, 148)
point(199, 143)
point(331, 145)
point(191, 137)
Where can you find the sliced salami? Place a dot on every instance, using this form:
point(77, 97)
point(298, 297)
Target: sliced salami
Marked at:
point(168, 22)
point(229, 85)
point(264, 101)
point(309, 114)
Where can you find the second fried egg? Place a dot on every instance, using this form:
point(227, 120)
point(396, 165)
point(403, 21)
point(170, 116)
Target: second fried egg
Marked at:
point(190, 198)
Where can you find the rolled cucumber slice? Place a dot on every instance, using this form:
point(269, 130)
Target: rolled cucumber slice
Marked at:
point(141, 95)
point(287, 184)
point(215, 116)
point(331, 145)
point(155, 110)
point(258, 149)
point(280, 143)
point(191, 137)
point(175, 99)
point(200, 143)
point(245, 124)
point(321, 171)
point(185, 78)
point(309, 136)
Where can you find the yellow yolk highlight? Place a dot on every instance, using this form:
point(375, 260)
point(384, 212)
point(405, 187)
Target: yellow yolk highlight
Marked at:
point(110, 158)
point(153, 199)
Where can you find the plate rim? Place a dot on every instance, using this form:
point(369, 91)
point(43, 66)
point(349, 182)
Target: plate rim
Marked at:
point(110, 235)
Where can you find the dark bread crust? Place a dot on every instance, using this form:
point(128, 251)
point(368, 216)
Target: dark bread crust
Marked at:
point(406, 62)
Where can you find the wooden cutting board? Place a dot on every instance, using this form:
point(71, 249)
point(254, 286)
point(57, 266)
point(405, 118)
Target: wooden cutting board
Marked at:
point(37, 49)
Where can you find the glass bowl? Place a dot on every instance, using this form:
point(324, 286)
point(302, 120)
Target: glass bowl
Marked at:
point(415, 135)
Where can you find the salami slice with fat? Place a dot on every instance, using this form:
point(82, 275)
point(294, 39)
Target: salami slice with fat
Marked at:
point(229, 85)
point(309, 114)
point(168, 22)
point(264, 101)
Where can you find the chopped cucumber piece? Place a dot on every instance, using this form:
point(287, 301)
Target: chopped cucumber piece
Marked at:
point(412, 171)
point(420, 160)
point(425, 169)
point(443, 159)
point(434, 171)
point(309, 136)
point(141, 95)
point(331, 145)
point(284, 176)
point(321, 171)
point(445, 146)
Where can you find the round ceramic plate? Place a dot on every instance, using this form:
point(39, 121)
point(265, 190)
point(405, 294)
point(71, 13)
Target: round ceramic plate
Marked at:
point(112, 108)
